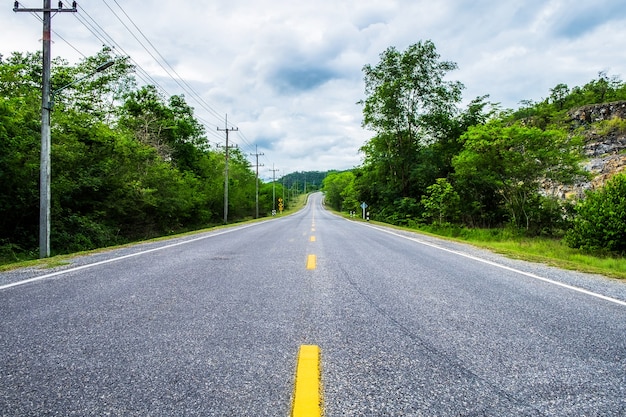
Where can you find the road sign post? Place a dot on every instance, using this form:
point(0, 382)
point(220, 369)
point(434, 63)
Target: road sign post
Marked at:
point(364, 206)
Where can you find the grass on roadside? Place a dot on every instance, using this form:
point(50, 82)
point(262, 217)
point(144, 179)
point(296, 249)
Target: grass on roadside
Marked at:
point(554, 252)
point(548, 251)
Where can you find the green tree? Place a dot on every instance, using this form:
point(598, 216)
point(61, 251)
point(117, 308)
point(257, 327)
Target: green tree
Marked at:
point(126, 163)
point(441, 202)
point(558, 95)
point(514, 161)
point(338, 189)
point(242, 199)
point(20, 136)
point(600, 221)
point(408, 99)
point(77, 88)
point(350, 196)
point(146, 114)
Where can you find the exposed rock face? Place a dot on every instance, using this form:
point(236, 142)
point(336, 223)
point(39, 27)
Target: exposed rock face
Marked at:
point(598, 112)
point(606, 152)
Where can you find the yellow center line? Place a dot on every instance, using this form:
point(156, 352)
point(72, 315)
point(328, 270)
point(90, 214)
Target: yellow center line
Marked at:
point(312, 239)
point(311, 261)
point(307, 398)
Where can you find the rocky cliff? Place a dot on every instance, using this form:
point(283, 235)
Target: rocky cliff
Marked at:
point(605, 143)
point(598, 112)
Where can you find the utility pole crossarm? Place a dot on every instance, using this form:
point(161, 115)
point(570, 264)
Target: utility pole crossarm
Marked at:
point(59, 9)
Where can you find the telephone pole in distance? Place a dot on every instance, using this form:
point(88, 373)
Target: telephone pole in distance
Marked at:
point(274, 188)
point(257, 154)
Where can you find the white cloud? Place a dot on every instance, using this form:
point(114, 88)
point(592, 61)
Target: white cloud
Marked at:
point(288, 73)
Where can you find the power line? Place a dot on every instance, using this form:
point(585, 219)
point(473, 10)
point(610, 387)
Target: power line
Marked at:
point(171, 72)
point(178, 79)
point(103, 36)
point(190, 89)
point(100, 33)
point(257, 165)
point(107, 40)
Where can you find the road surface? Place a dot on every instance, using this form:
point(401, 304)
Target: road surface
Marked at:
point(211, 324)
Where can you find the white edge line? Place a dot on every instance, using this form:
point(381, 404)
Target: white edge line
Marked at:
point(106, 261)
point(485, 261)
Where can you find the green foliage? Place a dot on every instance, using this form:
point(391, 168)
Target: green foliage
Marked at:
point(600, 223)
point(606, 127)
point(126, 163)
point(350, 197)
point(407, 91)
point(304, 181)
point(20, 135)
point(408, 105)
point(481, 167)
point(513, 162)
point(406, 212)
point(339, 191)
point(517, 244)
point(553, 110)
point(441, 203)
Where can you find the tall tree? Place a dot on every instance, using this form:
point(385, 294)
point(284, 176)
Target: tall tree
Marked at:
point(407, 101)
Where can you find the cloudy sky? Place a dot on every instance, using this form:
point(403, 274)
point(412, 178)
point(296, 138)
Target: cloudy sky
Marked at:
point(289, 72)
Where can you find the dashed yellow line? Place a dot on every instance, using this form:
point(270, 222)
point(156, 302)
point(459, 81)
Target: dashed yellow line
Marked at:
point(311, 260)
point(307, 398)
point(312, 239)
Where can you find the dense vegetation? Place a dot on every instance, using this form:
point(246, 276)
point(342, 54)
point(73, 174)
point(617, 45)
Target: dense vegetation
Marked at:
point(127, 163)
point(305, 181)
point(600, 223)
point(431, 162)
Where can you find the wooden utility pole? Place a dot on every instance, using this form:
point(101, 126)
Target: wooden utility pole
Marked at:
point(274, 189)
point(44, 169)
point(257, 154)
point(232, 129)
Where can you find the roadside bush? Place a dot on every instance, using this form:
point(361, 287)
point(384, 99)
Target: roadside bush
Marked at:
point(441, 203)
point(600, 222)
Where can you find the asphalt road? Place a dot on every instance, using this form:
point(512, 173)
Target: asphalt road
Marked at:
point(210, 325)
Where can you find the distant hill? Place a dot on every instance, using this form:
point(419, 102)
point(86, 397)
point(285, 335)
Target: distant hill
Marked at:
point(312, 180)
